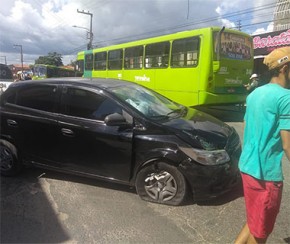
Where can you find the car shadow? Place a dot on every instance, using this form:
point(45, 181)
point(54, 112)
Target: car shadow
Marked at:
point(233, 194)
point(85, 180)
point(31, 176)
point(227, 113)
point(27, 215)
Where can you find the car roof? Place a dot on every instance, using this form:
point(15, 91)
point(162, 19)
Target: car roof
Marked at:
point(102, 83)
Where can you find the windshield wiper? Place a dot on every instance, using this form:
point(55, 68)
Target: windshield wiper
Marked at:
point(159, 117)
point(177, 111)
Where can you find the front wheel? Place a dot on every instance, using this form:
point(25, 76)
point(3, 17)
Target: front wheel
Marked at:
point(161, 183)
point(9, 164)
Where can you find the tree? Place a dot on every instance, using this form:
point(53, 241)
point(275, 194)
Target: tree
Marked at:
point(51, 59)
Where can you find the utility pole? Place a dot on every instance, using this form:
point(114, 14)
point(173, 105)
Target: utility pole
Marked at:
point(239, 26)
point(90, 45)
point(21, 53)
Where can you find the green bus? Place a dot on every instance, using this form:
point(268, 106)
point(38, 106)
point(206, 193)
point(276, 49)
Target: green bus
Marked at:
point(41, 71)
point(196, 67)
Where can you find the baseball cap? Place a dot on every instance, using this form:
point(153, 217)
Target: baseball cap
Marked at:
point(277, 58)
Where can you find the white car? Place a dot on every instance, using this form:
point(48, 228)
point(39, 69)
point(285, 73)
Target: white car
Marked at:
point(6, 77)
point(4, 85)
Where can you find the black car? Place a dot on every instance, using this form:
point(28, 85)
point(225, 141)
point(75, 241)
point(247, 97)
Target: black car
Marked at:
point(117, 131)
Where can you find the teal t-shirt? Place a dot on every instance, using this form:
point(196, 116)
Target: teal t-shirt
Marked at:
point(268, 112)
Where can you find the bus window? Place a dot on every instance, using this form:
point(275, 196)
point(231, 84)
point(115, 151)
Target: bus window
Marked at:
point(185, 52)
point(115, 59)
point(157, 55)
point(134, 58)
point(89, 61)
point(100, 61)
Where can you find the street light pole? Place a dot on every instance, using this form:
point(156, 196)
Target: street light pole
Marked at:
point(21, 53)
point(88, 31)
point(80, 27)
point(90, 45)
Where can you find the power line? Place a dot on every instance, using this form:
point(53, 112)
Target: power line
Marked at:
point(192, 23)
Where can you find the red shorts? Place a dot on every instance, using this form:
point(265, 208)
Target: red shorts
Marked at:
point(263, 199)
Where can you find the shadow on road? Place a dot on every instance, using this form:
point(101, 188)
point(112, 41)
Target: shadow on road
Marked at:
point(230, 113)
point(27, 214)
point(87, 181)
point(230, 196)
point(235, 193)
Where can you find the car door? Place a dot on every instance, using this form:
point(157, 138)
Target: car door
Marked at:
point(87, 144)
point(30, 118)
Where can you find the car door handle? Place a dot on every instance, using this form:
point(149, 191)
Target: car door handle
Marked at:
point(67, 132)
point(12, 123)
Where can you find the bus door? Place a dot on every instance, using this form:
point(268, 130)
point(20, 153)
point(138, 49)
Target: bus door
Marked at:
point(89, 63)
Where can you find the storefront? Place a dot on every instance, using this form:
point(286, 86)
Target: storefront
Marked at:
point(266, 43)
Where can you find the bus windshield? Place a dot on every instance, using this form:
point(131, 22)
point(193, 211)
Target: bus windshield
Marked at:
point(40, 71)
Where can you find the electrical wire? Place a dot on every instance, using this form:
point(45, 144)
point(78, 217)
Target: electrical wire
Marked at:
point(164, 30)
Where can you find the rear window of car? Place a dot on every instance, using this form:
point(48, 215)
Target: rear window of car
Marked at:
point(42, 97)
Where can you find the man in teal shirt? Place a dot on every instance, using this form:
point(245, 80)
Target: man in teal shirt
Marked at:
point(266, 138)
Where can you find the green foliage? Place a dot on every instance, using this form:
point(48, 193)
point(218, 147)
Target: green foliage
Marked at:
point(53, 58)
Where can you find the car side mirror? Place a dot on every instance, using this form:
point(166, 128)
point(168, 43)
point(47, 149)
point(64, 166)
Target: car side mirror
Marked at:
point(115, 119)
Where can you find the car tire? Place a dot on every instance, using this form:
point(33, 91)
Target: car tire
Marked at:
point(9, 164)
point(161, 183)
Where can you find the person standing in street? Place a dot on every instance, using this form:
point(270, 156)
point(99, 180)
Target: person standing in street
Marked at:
point(253, 84)
point(266, 138)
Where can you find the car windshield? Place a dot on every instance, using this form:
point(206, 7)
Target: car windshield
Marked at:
point(148, 102)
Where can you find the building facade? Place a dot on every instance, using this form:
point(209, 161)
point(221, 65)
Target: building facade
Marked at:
point(282, 15)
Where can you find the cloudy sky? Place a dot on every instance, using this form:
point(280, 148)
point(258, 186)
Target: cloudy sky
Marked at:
point(43, 26)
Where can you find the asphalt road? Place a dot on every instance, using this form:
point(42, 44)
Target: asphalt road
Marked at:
point(41, 206)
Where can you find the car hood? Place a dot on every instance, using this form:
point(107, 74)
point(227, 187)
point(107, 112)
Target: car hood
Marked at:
point(200, 130)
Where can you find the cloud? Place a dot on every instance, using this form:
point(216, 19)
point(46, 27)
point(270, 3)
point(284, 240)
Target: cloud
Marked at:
point(43, 26)
point(269, 28)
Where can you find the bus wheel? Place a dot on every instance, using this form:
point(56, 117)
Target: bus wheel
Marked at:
point(161, 183)
point(9, 164)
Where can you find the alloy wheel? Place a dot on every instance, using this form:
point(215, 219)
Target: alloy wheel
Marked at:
point(161, 186)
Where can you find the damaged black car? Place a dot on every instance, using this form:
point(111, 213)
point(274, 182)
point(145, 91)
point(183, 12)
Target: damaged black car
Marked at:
point(118, 131)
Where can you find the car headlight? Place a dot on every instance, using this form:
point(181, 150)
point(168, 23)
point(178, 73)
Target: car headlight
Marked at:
point(204, 157)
